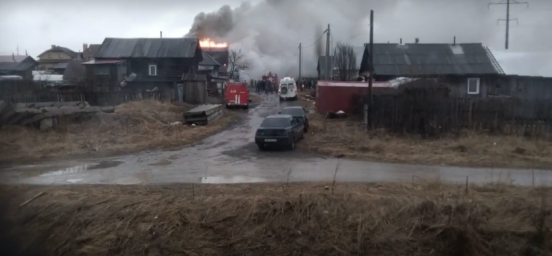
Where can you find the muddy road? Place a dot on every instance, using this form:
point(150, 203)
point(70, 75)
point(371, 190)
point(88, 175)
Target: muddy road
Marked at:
point(232, 157)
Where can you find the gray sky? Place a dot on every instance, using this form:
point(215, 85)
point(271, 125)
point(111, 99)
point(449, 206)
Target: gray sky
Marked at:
point(36, 25)
point(269, 32)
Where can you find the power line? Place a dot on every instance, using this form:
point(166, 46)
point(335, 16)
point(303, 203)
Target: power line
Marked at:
point(508, 19)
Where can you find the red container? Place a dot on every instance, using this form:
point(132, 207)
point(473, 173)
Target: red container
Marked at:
point(335, 96)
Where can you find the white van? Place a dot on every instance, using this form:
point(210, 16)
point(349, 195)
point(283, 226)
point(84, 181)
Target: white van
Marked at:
point(287, 90)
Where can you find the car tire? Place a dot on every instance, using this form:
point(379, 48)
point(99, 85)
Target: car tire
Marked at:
point(291, 145)
point(306, 129)
point(261, 147)
point(246, 106)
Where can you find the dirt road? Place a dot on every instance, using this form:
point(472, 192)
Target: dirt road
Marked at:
point(232, 157)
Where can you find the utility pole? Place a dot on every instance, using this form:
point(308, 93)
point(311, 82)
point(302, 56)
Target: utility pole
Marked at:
point(300, 57)
point(508, 19)
point(328, 61)
point(371, 68)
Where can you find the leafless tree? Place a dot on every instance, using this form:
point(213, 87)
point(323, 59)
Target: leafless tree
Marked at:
point(236, 63)
point(345, 61)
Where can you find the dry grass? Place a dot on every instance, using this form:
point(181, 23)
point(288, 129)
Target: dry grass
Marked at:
point(135, 126)
point(288, 219)
point(349, 138)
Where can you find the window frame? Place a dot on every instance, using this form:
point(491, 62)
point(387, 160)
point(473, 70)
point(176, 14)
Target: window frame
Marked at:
point(149, 70)
point(478, 85)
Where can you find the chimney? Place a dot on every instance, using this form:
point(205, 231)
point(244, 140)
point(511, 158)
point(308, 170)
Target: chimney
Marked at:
point(417, 40)
point(13, 57)
point(454, 41)
point(53, 46)
point(400, 41)
point(84, 47)
point(160, 34)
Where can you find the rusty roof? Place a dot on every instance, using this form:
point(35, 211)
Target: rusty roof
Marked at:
point(431, 59)
point(148, 48)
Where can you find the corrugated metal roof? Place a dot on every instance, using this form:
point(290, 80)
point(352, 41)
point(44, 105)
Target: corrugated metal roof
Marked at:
point(21, 63)
point(208, 60)
point(430, 59)
point(148, 48)
point(13, 58)
point(97, 62)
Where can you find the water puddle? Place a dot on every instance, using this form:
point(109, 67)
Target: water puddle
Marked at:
point(84, 167)
point(230, 180)
point(70, 170)
point(105, 165)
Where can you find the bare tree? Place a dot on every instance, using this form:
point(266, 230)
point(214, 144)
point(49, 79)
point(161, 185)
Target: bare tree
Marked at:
point(345, 61)
point(236, 63)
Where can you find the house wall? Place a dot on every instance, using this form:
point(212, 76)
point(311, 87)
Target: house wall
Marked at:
point(49, 59)
point(167, 69)
point(522, 87)
point(458, 86)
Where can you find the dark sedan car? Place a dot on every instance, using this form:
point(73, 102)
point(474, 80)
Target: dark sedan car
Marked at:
point(298, 112)
point(279, 130)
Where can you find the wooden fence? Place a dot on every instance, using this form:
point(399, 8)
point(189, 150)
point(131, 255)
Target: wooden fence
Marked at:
point(436, 115)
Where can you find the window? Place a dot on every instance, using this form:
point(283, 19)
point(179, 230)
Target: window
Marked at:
point(61, 57)
point(473, 85)
point(152, 70)
point(49, 56)
point(101, 70)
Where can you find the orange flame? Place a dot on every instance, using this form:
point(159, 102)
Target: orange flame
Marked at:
point(207, 43)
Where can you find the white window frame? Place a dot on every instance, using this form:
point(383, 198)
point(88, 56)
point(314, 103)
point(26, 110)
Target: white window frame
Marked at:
point(149, 70)
point(478, 85)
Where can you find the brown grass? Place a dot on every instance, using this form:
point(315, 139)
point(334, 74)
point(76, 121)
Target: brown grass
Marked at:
point(135, 126)
point(283, 219)
point(349, 138)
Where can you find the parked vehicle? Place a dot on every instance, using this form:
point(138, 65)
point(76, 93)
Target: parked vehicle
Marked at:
point(279, 130)
point(287, 89)
point(272, 78)
point(237, 95)
point(298, 112)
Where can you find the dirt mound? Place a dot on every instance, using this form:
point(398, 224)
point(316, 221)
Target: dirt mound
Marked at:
point(296, 219)
point(134, 126)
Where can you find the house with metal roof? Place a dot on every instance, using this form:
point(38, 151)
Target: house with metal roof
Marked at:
point(17, 65)
point(88, 51)
point(56, 55)
point(142, 63)
point(467, 68)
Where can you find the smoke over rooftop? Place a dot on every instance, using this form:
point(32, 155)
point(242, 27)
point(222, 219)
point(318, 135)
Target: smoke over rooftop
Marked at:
point(269, 33)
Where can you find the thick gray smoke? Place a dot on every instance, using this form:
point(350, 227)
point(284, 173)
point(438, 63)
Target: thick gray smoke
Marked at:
point(269, 33)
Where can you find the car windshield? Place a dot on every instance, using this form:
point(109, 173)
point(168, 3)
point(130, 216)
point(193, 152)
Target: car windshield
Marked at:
point(293, 111)
point(275, 122)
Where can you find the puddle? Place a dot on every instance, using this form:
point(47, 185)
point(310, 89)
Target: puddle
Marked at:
point(84, 167)
point(75, 180)
point(70, 170)
point(105, 164)
point(161, 163)
point(230, 180)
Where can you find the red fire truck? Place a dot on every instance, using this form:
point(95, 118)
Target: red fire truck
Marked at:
point(273, 78)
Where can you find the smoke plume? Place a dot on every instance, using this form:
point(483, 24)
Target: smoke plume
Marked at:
point(269, 32)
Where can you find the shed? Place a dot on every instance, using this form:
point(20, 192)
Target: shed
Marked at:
point(194, 88)
point(335, 96)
